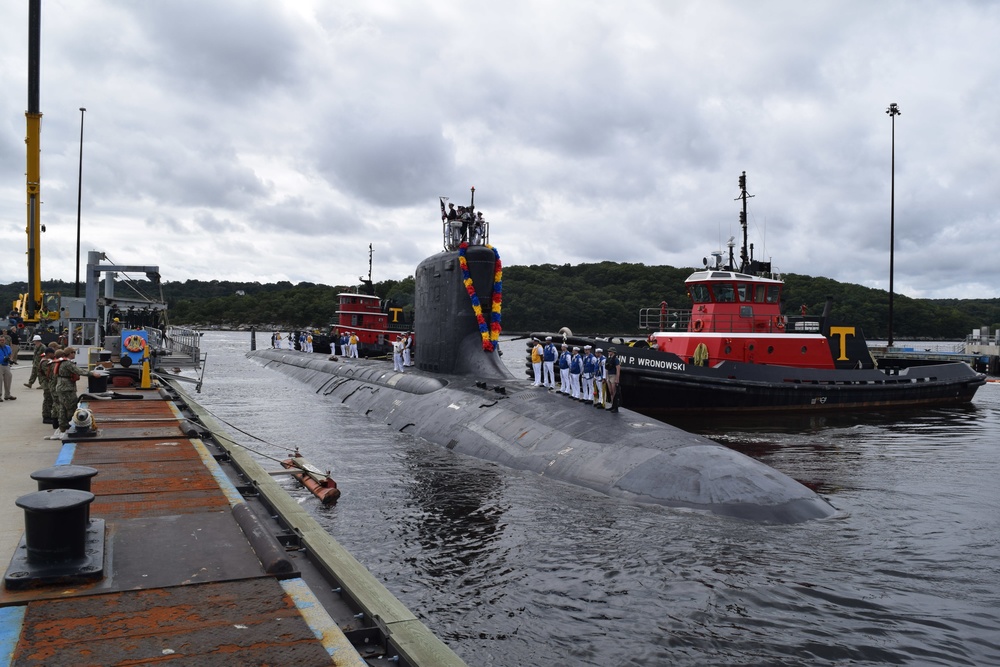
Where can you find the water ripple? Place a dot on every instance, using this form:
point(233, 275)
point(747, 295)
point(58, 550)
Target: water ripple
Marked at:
point(513, 569)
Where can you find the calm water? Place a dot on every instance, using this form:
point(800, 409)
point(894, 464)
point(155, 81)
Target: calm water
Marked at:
point(512, 569)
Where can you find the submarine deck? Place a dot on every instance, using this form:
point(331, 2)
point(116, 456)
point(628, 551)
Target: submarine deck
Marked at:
point(205, 559)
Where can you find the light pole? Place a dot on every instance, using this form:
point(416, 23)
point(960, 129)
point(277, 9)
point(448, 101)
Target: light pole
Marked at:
point(79, 198)
point(893, 111)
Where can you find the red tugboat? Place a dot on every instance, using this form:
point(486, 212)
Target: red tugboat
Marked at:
point(366, 316)
point(734, 351)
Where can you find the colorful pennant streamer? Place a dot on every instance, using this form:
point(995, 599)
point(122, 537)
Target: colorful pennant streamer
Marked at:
point(491, 332)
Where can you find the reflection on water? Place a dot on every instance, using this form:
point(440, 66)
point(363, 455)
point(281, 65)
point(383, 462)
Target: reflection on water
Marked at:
point(798, 423)
point(457, 510)
point(511, 568)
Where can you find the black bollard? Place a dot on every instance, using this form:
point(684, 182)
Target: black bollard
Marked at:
point(64, 477)
point(61, 545)
point(253, 338)
point(55, 524)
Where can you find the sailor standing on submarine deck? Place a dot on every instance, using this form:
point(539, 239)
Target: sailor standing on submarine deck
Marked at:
point(564, 359)
point(407, 346)
point(600, 375)
point(537, 354)
point(549, 363)
point(589, 361)
point(613, 368)
point(575, 368)
point(397, 354)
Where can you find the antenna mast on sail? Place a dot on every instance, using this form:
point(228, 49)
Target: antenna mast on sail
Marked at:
point(368, 283)
point(744, 255)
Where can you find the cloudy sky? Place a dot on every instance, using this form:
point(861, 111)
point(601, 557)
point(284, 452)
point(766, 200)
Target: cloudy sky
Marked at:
point(272, 140)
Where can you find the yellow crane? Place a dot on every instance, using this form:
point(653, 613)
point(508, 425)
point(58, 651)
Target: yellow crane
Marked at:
point(35, 307)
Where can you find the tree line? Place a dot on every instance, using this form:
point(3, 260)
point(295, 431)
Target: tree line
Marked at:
point(606, 297)
point(603, 297)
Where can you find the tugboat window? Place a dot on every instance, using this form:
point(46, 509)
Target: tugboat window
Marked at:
point(744, 292)
point(724, 293)
point(803, 349)
point(759, 294)
point(770, 349)
point(700, 294)
point(773, 292)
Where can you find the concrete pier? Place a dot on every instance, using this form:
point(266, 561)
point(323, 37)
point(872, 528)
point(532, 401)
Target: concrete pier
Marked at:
point(206, 560)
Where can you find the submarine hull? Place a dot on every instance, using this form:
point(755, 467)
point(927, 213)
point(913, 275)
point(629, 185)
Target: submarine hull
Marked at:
point(624, 455)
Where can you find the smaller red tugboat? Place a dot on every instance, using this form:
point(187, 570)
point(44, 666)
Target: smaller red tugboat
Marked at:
point(372, 321)
point(734, 351)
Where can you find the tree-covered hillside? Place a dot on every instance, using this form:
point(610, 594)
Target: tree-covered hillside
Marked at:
point(596, 298)
point(607, 297)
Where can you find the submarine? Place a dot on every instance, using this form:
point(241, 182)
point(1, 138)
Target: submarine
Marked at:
point(461, 396)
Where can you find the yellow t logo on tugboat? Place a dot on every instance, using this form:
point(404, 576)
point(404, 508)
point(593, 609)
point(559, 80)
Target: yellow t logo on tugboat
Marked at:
point(843, 333)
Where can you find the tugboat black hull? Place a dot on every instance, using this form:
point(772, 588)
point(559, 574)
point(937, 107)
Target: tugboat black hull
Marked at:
point(657, 383)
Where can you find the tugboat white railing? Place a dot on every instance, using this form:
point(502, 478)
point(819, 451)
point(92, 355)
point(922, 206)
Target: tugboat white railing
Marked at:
point(680, 319)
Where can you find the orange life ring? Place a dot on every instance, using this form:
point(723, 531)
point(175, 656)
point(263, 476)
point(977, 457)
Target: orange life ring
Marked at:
point(134, 343)
point(779, 322)
point(698, 325)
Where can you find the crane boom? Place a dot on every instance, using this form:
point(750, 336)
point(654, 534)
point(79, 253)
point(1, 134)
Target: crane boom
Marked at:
point(32, 141)
point(32, 306)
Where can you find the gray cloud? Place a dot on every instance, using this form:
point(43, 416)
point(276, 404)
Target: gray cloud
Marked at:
point(281, 139)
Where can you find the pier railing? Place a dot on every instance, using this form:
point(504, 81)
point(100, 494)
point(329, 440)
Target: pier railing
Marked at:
point(180, 346)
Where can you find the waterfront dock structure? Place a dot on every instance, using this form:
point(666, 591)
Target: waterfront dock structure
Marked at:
point(207, 560)
point(979, 350)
